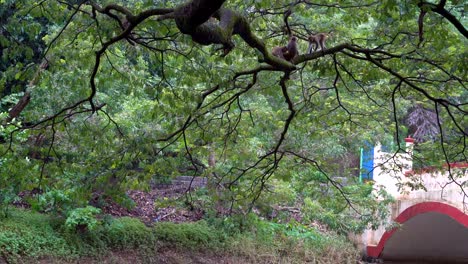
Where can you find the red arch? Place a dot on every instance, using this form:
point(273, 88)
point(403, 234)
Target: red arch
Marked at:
point(421, 208)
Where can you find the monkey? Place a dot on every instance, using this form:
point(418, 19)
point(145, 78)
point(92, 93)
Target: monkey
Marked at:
point(288, 52)
point(317, 41)
point(279, 51)
point(293, 51)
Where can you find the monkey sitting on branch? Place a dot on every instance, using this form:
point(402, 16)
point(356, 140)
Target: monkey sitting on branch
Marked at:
point(290, 51)
point(287, 52)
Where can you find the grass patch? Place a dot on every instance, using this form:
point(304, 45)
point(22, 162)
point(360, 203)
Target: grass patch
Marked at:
point(27, 233)
point(127, 233)
point(30, 235)
point(189, 235)
point(267, 242)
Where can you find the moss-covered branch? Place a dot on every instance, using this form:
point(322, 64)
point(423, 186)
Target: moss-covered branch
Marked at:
point(193, 18)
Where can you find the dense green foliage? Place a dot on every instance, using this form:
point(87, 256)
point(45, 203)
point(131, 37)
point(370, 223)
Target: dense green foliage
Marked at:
point(115, 100)
point(31, 235)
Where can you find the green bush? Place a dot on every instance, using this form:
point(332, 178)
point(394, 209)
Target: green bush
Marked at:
point(29, 235)
point(82, 218)
point(54, 201)
point(188, 235)
point(127, 232)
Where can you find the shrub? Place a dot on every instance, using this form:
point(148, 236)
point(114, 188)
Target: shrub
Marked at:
point(127, 232)
point(82, 219)
point(188, 235)
point(54, 201)
point(28, 235)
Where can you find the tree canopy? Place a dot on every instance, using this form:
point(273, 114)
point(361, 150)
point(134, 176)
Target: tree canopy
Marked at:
point(102, 96)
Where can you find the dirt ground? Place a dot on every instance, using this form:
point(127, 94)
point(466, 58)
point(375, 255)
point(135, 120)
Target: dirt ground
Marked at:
point(145, 207)
point(146, 210)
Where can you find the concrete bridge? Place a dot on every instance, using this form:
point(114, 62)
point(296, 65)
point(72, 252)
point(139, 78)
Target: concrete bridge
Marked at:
point(430, 209)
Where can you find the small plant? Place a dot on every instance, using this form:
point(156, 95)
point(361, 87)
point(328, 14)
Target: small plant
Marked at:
point(82, 219)
point(7, 196)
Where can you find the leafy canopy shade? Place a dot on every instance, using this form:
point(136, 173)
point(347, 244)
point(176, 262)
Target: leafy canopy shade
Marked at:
point(109, 95)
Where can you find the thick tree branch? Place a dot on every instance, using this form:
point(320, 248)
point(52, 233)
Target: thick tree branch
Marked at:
point(192, 18)
point(230, 23)
point(439, 9)
point(16, 110)
point(292, 111)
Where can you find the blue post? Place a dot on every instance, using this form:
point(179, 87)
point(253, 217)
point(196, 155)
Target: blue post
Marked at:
point(368, 162)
